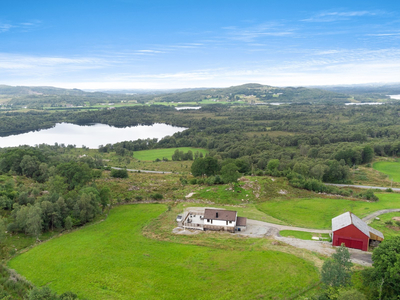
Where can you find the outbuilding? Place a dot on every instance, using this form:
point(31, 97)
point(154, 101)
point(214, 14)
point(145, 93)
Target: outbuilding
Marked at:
point(350, 230)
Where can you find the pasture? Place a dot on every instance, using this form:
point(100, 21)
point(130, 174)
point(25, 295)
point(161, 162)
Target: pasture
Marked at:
point(318, 212)
point(390, 168)
point(387, 225)
point(150, 155)
point(303, 235)
point(113, 260)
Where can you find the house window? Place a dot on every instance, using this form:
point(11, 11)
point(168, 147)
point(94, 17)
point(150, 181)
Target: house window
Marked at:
point(226, 222)
point(230, 222)
point(208, 220)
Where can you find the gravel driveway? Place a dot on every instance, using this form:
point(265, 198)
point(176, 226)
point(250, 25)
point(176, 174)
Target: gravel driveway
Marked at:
point(258, 229)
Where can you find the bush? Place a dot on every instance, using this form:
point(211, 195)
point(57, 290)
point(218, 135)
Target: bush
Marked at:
point(389, 190)
point(389, 222)
point(193, 181)
point(156, 196)
point(138, 198)
point(123, 173)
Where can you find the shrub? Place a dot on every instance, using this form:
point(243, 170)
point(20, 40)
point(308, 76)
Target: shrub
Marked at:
point(138, 198)
point(193, 181)
point(389, 190)
point(397, 223)
point(156, 196)
point(123, 173)
point(389, 222)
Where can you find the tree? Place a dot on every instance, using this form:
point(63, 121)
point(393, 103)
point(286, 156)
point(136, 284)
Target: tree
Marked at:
point(211, 166)
point(29, 165)
point(198, 167)
point(384, 277)
point(368, 154)
point(122, 173)
point(230, 173)
point(68, 223)
point(34, 221)
point(336, 270)
point(273, 164)
point(2, 231)
point(105, 195)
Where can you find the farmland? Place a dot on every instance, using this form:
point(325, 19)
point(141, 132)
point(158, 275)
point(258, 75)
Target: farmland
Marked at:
point(113, 260)
point(390, 168)
point(318, 212)
point(150, 155)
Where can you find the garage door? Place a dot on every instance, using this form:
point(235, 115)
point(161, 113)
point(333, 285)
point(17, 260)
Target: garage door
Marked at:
point(351, 243)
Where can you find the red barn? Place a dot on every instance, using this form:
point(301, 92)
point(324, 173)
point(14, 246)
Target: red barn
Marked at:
point(350, 230)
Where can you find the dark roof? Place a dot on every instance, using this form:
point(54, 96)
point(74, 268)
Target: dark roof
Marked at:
point(224, 215)
point(241, 221)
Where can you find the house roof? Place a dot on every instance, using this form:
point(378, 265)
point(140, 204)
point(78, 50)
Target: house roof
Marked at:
point(220, 214)
point(241, 221)
point(349, 218)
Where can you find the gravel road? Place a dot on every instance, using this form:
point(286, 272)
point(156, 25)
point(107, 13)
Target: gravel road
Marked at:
point(364, 186)
point(368, 219)
point(142, 171)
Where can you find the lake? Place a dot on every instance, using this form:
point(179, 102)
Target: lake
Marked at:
point(365, 103)
point(88, 135)
point(187, 107)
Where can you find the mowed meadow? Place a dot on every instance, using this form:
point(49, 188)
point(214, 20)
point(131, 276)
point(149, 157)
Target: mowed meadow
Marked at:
point(318, 212)
point(113, 260)
point(390, 168)
point(150, 155)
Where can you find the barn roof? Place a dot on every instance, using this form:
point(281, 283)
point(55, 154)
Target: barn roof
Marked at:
point(349, 218)
point(220, 214)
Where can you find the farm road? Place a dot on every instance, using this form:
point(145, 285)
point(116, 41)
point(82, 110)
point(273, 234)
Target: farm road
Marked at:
point(364, 186)
point(368, 219)
point(142, 171)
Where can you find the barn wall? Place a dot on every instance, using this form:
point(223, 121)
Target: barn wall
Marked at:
point(351, 233)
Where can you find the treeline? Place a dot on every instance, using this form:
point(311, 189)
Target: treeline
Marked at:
point(62, 195)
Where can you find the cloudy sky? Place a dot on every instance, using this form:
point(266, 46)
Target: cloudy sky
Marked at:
point(114, 44)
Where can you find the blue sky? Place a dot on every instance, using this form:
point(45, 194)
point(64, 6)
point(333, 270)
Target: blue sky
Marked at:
point(119, 44)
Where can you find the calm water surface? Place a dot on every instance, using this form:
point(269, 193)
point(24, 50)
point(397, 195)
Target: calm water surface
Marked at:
point(89, 135)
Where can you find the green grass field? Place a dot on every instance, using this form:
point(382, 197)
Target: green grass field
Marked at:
point(388, 230)
point(391, 168)
point(113, 260)
point(303, 235)
point(150, 155)
point(318, 212)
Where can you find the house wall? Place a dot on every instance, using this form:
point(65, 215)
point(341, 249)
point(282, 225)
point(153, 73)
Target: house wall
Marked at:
point(219, 223)
point(352, 237)
point(219, 228)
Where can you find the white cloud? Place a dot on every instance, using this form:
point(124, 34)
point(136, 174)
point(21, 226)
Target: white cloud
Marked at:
point(24, 26)
point(339, 15)
point(5, 27)
point(250, 34)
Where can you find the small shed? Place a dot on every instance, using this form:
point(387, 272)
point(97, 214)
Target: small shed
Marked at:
point(350, 230)
point(241, 223)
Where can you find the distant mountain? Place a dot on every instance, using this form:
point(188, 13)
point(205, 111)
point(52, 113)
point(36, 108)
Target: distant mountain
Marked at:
point(360, 89)
point(41, 90)
point(145, 91)
point(253, 93)
point(260, 93)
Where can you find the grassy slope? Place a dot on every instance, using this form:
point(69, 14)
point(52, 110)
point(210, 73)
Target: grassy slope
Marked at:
point(153, 154)
point(318, 212)
point(390, 168)
point(113, 260)
point(386, 229)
